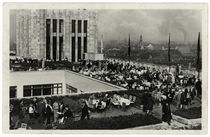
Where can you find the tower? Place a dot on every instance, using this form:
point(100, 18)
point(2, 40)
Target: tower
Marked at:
point(141, 42)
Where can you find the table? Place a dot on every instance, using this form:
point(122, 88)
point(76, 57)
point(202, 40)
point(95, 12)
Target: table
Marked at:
point(124, 100)
point(96, 101)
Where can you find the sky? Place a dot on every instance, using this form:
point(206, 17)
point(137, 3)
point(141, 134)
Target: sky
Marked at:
point(154, 25)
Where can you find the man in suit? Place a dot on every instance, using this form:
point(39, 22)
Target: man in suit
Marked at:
point(85, 112)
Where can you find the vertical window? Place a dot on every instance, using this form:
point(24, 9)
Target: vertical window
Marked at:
point(27, 91)
point(85, 44)
point(61, 26)
point(13, 91)
point(48, 27)
point(59, 88)
point(55, 89)
point(73, 49)
point(79, 48)
point(54, 25)
point(79, 26)
point(48, 38)
point(85, 26)
point(73, 26)
point(48, 47)
point(60, 47)
point(54, 47)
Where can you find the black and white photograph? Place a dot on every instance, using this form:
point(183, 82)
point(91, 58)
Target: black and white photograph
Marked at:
point(105, 67)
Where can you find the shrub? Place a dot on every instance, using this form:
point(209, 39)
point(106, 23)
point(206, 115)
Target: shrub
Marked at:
point(118, 122)
point(191, 113)
point(74, 105)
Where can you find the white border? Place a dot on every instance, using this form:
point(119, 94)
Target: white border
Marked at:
point(187, 6)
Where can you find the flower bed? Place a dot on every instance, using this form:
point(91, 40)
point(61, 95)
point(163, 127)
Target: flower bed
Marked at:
point(118, 122)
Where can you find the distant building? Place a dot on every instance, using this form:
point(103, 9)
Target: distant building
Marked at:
point(150, 47)
point(56, 34)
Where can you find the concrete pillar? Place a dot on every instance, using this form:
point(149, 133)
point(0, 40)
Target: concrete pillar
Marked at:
point(64, 88)
point(76, 41)
point(82, 39)
point(70, 39)
point(19, 91)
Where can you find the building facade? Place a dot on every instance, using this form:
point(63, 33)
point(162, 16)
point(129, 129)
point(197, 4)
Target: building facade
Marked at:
point(56, 34)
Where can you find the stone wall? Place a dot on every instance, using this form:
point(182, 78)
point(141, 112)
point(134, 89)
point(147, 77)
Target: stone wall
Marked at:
point(31, 31)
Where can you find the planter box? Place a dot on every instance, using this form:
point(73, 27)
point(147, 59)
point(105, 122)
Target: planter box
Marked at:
point(189, 122)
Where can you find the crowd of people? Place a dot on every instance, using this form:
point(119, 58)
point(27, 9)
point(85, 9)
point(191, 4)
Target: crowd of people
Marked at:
point(46, 112)
point(159, 86)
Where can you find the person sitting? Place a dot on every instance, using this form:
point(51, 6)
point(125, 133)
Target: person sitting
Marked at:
point(99, 106)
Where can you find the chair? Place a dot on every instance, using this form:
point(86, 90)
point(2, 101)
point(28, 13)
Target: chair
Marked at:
point(23, 125)
point(133, 99)
point(123, 106)
point(114, 101)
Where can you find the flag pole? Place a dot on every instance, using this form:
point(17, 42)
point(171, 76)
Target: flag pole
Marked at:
point(198, 56)
point(169, 56)
point(129, 49)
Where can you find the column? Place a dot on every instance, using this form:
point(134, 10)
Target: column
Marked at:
point(82, 39)
point(76, 40)
point(69, 38)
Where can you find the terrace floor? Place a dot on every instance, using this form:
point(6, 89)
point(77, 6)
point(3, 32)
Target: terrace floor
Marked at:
point(114, 111)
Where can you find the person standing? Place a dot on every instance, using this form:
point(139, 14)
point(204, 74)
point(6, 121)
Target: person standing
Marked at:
point(183, 99)
point(85, 112)
point(166, 110)
point(55, 110)
point(151, 102)
point(40, 109)
point(31, 113)
point(198, 88)
point(48, 113)
point(145, 101)
point(61, 107)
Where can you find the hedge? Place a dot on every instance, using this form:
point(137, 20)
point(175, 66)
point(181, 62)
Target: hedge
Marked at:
point(111, 123)
point(191, 113)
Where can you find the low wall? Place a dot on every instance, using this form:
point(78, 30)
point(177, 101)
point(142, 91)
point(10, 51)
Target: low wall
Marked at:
point(189, 122)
